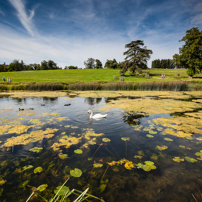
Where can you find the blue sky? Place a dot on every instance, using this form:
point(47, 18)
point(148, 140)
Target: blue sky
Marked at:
point(71, 31)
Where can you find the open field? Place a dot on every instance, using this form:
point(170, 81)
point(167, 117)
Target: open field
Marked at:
point(100, 79)
point(91, 75)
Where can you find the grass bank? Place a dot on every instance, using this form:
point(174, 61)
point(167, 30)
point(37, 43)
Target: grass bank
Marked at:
point(99, 79)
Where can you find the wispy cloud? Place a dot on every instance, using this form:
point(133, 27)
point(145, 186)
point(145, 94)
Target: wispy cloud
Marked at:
point(1, 12)
point(25, 19)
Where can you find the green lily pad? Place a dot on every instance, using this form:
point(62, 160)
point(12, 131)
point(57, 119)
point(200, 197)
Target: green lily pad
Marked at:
point(149, 165)
point(161, 148)
point(168, 139)
point(64, 190)
point(97, 165)
point(42, 187)
point(152, 132)
point(190, 160)
point(125, 138)
point(38, 170)
point(199, 153)
point(65, 137)
point(106, 139)
point(27, 167)
point(63, 156)
point(91, 142)
point(36, 149)
point(78, 151)
point(90, 158)
point(149, 136)
point(76, 172)
point(178, 159)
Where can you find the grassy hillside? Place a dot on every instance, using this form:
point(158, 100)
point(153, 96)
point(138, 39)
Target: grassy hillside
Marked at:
point(90, 75)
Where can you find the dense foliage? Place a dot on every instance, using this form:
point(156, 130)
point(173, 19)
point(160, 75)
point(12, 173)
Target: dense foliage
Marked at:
point(136, 56)
point(163, 64)
point(190, 54)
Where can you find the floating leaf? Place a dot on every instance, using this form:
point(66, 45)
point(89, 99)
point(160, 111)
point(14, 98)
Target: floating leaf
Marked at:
point(199, 153)
point(63, 156)
point(161, 148)
point(168, 139)
point(64, 190)
point(42, 187)
point(138, 156)
point(152, 132)
point(76, 172)
point(38, 170)
point(27, 167)
point(78, 151)
point(36, 149)
point(65, 137)
point(90, 158)
point(178, 159)
point(149, 136)
point(129, 165)
point(190, 160)
point(106, 139)
point(125, 138)
point(149, 165)
point(2, 182)
point(91, 142)
point(97, 165)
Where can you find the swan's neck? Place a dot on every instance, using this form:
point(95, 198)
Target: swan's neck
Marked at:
point(91, 114)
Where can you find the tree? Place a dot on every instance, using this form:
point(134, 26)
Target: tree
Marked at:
point(90, 63)
point(191, 52)
point(98, 64)
point(111, 64)
point(136, 55)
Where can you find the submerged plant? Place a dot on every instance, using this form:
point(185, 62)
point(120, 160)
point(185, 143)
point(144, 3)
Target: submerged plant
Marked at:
point(76, 172)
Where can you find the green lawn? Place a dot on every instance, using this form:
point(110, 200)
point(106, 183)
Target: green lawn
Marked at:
point(90, 75)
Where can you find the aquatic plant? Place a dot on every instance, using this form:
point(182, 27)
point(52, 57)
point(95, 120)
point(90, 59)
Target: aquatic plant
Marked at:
point(178, 159)
point(76, 172)
point(147, 166)
point(106, 140)
point(78, 151)
point(38, 170)
point(190, 160)
point(161, 148)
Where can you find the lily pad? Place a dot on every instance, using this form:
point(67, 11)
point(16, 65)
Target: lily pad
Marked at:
point(125, 138)
point(42, 187)
point(168, 139)
point(149, 136)
point(161, 148)
point(190, 160)
point(91, 142)
point(97, 165)
point(152, 132)
point(64, 190)
point(38, 170)
point(90, 158)
point(78, 151)
point(36, 149)
point(106, 139)
point(178, 159)
point(27, 167)
point(199, 153)
point(63, 156)
point(76, 172)
point(149, 165)
point(65, 137)
point(129, 165)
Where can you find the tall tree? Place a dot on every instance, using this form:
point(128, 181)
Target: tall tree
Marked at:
point(98, 64)
point(137, 55)
point(191, 52)
point(90, 63)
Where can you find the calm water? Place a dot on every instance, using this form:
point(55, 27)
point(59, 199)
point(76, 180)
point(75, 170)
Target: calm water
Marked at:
point(170, 181)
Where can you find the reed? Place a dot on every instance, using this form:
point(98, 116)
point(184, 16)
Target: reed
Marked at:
point(86, 86)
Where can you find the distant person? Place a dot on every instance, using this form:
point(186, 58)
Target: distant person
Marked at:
point(4, 79)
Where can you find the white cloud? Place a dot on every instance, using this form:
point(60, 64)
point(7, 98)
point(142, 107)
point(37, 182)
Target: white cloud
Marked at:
point(22, 15)
point(1, 12)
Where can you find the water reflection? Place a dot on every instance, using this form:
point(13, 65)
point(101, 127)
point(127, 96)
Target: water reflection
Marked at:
point(123, 157)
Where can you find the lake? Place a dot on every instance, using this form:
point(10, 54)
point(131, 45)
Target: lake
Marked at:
point(147, 149)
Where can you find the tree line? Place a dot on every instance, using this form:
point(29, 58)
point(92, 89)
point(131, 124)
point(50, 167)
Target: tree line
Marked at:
point(163, 64)
point(137, 55)
point(17, 65)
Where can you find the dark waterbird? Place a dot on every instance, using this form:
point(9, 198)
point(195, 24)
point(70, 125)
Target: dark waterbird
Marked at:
point(67, 104)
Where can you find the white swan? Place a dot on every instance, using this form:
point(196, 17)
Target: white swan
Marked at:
point(96, 116)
